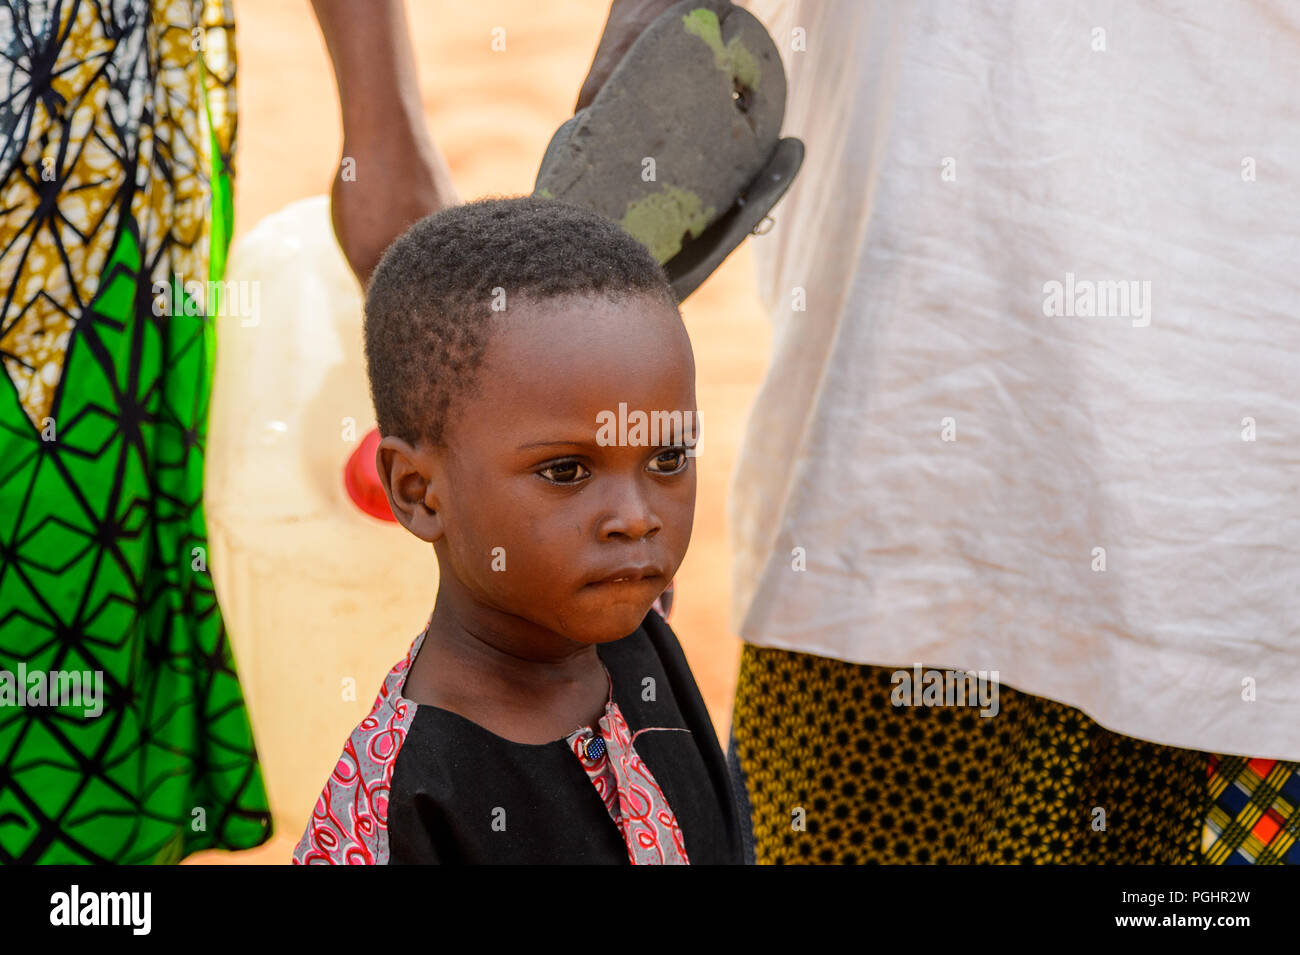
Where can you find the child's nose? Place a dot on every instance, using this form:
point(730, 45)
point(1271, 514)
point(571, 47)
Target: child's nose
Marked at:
point(631, 517)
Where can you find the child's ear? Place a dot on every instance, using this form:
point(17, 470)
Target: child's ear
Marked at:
point(407, 474)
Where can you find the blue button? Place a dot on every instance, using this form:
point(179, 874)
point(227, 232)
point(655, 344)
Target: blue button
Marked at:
point(594, 748)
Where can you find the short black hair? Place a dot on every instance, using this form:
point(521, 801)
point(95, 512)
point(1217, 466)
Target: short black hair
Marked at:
point(429, 304)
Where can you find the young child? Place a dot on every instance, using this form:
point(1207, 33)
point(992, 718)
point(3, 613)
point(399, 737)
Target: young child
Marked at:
point(546, 713)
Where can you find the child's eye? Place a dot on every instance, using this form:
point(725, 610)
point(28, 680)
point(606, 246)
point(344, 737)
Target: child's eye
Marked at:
point(670, 461)
point(565, 472)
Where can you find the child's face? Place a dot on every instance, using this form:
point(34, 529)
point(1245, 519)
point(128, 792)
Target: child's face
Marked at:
point(536, 509)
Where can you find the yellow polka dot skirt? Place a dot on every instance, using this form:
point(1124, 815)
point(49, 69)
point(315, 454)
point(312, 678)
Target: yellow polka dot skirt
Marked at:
point(833, 772)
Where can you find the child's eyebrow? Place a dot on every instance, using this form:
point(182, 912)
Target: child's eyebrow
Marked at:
point(555, 444)
point(582, 444)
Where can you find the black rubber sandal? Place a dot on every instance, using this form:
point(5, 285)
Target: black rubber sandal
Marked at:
point(681, 146)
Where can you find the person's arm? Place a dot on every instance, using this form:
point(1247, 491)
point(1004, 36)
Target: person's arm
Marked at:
point(400, 174)
point(627, 18)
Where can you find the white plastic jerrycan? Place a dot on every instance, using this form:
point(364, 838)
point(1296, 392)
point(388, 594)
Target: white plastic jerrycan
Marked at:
point(320, 598)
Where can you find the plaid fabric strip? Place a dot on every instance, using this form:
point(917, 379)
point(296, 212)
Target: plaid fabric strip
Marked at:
point(1252, 817)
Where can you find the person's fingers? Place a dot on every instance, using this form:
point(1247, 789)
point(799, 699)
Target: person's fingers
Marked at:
point(627, 18)
point(601, 67)
point(364, 228)
point(390, 186)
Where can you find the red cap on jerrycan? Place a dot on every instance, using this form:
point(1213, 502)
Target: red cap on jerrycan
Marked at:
point(362, 479)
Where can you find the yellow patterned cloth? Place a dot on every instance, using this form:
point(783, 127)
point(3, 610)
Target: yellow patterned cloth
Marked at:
point(89, 137)
point(833, 772)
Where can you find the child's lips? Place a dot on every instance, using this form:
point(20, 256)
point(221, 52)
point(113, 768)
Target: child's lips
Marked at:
point(629, 576)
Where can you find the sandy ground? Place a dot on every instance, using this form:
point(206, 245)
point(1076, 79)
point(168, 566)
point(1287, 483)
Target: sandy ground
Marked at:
point(492, 114)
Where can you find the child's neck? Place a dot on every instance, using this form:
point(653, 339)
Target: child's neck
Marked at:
point(506, 674)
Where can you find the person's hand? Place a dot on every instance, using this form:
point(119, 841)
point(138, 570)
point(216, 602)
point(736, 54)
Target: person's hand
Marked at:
point(384, 185)
point(627, 18)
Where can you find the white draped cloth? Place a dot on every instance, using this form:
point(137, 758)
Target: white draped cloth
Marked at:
point(1034, 396)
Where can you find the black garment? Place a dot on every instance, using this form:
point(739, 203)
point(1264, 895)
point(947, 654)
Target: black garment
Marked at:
point(453, 778)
